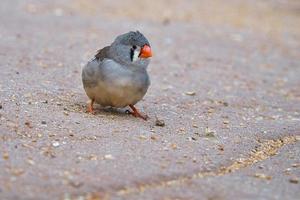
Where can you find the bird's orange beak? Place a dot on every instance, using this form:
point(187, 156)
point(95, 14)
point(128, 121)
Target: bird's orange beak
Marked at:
point(145, 52)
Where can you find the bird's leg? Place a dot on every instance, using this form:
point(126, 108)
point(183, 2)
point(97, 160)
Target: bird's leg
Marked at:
point(137, 114)
point(90, 107)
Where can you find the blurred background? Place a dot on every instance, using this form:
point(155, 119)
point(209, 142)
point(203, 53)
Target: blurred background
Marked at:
point(274, 17)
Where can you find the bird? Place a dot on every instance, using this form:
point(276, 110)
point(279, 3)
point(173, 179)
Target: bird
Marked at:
point(117, 75)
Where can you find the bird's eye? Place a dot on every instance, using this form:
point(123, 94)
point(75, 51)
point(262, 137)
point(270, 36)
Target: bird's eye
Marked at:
point(134, 47)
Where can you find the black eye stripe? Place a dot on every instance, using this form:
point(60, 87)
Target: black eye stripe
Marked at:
point(131, 54)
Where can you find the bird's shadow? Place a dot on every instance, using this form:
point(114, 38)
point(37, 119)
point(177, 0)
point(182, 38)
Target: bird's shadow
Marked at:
point(100, 110)
point(112, 110)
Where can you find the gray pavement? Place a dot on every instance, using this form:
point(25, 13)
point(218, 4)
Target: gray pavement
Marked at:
point(225, 80)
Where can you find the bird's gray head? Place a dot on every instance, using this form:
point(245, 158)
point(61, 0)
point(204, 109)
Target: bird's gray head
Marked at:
point(132, 49)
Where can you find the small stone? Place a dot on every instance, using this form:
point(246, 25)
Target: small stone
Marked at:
point(5, 156)
point(43, 122)
point(294, 180)
point(225, 104)
point(159, 122)
point(287, 171)
point(51, 134)
point(209, 132)
point(28, 124)
point(108, 157)
point(59, 64)
point(296, 165)
point(221, 147)
point(143, 137)
point(30, 161)
point(173, 146)
point(262, 176)
point(153, 137)
point(55, 144)
point(181, 129)
point(92, 157)
point(225, 122)
point(190, 93)
point(179, 162)
point(211, 110)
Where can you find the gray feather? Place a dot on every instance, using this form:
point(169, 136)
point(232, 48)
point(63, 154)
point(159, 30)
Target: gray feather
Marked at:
point(103, 53)
point(112, 79)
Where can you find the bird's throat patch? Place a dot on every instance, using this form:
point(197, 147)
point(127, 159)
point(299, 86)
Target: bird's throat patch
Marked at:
point(134, 54)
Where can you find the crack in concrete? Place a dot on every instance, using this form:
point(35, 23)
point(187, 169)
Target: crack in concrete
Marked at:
point(266, 149)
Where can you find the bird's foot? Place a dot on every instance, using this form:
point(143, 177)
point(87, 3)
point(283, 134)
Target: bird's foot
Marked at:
point(136, 113)
point(90, 108)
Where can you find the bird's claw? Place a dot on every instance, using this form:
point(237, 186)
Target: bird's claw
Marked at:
point(90, 108)
point(136, 113)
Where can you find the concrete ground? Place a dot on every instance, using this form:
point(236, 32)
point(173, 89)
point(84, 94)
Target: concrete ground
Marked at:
point(225, 81)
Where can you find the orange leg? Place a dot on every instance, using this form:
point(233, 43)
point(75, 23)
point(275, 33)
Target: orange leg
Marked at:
point(137, 114)
point(90, 107)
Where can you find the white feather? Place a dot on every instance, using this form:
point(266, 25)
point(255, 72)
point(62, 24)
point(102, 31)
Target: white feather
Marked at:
point(136, 54)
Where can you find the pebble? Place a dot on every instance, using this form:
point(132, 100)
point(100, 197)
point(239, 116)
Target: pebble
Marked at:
point(296, 165)
point(262, 176)
point(153, 137)
point(209, 132)
point(190, 93)
point(225, 104)
point(294, 180)
point(5, 156)
point(143, 137)
point(174, 146)
point(108, 157)
point(55, 144)
point(159, 122)
point(31, 162)
point(225, 122)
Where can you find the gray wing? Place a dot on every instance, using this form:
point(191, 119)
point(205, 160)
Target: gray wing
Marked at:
point(102, 53)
